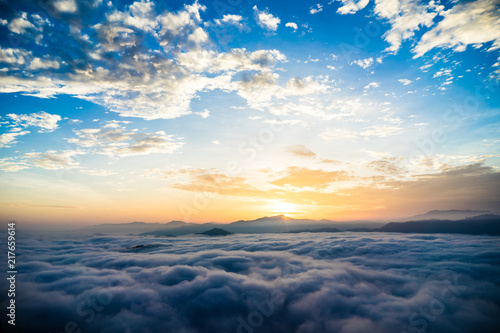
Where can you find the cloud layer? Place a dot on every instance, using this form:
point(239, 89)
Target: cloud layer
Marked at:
point(268, 283)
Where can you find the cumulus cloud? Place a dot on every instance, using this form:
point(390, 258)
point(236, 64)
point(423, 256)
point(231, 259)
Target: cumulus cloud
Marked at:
point(230, 19)
point(405, 82)
point(405, 18)
point(292, 25)
point(107, 58)
point(15, 123)
point(45, 121)
point(144, 144)
point(266, 20)
point(10, 138)
point(316, 9)
point(54, 160)
point(301, 151)
point(304, 283)
point(363, 63)
point(351, 6)
point(474, 22)
point(65, 6)
point(372, 85)
point(116, 141)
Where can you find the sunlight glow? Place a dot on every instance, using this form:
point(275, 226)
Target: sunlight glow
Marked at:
point(284, 207)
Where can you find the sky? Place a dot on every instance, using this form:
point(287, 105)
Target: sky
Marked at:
point(121, 111)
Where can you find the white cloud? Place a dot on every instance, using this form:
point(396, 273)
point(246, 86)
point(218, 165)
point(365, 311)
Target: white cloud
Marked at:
point(54, 160)
point(405, 82)
point(292, 25)
point(338, 134)
point(363, 63)
point(351, 6)
point(316, 9)
point(266, 20)
point(46, 121)
point(405, 17)
point(372, 85)
point(204, 114)
point(97, 172)
point(38, 63)
point(137, 81)
point(21, 24)
point(474, 22)
point(230, 19)
point(65, 6)
point(10, 138)
point(144, 144)
point(117, 141)
point(11, 164)
point(13, 56)
point(382, 131)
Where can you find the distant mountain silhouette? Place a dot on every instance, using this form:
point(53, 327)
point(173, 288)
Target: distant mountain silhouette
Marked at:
point(317, 230)
point(216, 232)
point(453, 214)
point(482, 224)
point(478, 225)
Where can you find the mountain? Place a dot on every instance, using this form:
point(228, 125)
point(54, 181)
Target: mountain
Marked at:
point(317, 230)
point(478, 225)
point(124, 228)
point(281, 223)
point(216, 232)
point(453, 214)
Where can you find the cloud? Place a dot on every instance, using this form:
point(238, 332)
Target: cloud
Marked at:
point(65, 6)
point(316, 9)
point(54, 160)
point(204, 114)
point(363, 63)
point(338, 134)
point(299, 283)
point(388, 165)
point(266, 20)
point(392, 182)
point(92, 137)
point(21, 24)
point(211, 181)
point(10, 138)
point(45, 121)
point(372, 85)
point(17, 122)
point(114, 140)
point(144, 144)
point(405, 82)
point(351, 6)
point(292, 25)
point(303, 177)
point(136, 61)
point(230, 19)
point(382, 131)
point(301, 151)
point(474, 22)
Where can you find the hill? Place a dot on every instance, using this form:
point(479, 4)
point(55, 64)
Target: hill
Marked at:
point(478, 225)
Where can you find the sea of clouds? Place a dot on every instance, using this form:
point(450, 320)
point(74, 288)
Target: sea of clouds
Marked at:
point(268, 283)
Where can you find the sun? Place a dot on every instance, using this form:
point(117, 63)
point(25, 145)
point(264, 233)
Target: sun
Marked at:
point(284, 207)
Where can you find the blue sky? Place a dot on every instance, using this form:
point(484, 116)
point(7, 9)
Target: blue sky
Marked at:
point(223, 110)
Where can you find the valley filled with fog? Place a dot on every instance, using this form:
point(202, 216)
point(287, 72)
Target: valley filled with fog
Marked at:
point(308, 282)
